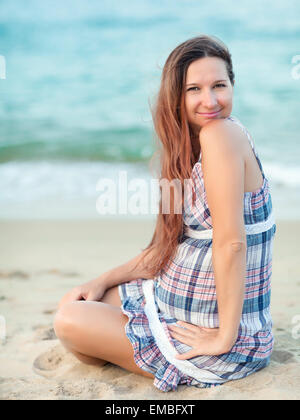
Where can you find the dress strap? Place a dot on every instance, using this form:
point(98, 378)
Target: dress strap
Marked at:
point(237, 121)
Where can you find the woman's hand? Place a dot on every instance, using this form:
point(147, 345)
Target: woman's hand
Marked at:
point(204, 341)
point(92, 290)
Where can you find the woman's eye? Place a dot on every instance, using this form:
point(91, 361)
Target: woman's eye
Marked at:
point(218, 84)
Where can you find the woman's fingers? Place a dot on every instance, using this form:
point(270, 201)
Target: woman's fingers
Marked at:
point(190, 327)
point(181, 331)
point(196, 328)
point(182, 338)
point(177, 331)
point(71, 296)
point(188, 355)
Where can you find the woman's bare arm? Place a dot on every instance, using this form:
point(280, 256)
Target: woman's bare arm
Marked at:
point(95, 289)
point(131, 270)
point(222, 148)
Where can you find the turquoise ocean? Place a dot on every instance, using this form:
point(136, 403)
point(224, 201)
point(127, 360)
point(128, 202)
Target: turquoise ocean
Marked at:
point(77, 79)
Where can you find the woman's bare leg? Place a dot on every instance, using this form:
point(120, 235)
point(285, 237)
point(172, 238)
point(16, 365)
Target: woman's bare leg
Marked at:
point(111, 297)
point(95, 332)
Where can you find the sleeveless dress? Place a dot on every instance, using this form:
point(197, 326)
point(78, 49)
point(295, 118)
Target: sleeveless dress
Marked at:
point(185, 290)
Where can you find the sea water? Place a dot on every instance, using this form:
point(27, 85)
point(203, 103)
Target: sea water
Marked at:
point(78, 78)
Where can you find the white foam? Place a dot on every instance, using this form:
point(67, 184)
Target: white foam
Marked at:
point(68, 189)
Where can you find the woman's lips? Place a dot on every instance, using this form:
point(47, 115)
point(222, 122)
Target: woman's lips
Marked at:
point(209, 115)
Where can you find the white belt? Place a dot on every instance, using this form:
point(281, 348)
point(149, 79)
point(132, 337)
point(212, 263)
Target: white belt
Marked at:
point(250, 229)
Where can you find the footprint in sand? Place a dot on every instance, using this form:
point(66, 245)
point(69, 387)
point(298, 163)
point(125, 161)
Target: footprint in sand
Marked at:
point(19, 274)
point(282, 356)
point(44, 332)
point(54, 362)
point(56, 271)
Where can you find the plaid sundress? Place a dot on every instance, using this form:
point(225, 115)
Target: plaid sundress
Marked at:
point(185, 290)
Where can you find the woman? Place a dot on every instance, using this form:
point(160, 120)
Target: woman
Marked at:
point(194, 307)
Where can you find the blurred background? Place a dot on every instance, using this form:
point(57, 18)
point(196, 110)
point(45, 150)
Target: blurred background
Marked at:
point(80, 76)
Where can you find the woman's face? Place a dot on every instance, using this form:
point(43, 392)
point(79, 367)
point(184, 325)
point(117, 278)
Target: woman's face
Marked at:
point(208, 92)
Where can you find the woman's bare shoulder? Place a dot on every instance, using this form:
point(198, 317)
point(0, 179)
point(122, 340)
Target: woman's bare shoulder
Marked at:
point(223, 133)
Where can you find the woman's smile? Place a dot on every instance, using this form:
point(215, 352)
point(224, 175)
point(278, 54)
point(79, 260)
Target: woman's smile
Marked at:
point(209, 114)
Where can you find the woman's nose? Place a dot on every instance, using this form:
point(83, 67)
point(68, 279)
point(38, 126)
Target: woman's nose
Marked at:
point(208, 99)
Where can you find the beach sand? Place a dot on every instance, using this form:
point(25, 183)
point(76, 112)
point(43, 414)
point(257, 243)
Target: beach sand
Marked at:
point(42, 260)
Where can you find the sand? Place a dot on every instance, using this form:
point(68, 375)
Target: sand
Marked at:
point(42, 260)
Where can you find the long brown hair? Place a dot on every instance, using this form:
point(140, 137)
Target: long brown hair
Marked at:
point(180, 148)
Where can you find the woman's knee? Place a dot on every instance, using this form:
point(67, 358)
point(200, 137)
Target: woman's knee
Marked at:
point(64, 321)
point(75, 320)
